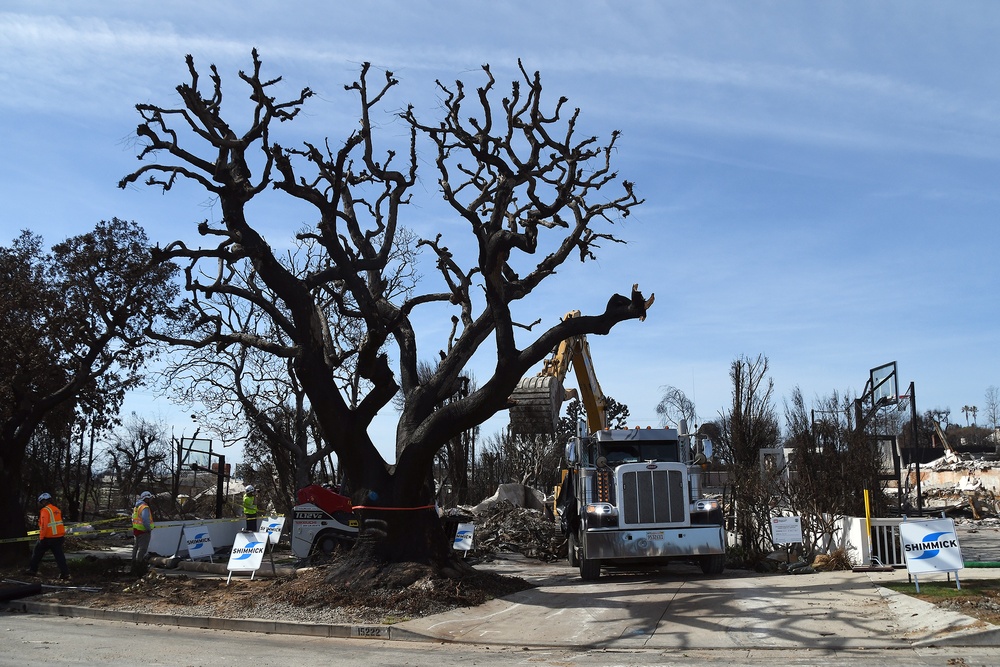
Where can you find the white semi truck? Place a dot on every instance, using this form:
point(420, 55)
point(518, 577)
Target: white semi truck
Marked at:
point(629, 496)
point(632, 498)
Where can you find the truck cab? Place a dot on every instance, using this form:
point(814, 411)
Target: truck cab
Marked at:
point(631, 498)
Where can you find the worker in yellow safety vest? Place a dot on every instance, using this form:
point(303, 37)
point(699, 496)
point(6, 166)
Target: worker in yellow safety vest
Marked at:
point(142, 530)
point(250, 509)
point(51, 534)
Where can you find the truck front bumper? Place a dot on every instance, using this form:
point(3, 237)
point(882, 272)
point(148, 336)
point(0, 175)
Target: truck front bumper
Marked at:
point(609, 544)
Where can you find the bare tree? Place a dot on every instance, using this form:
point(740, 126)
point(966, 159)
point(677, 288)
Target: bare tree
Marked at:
point(675, 406)
point(535, 460)
point(455, 462)
point(245, 391)
point(992, 406)
point(513, 173)
point(749, 426)
point(530, 460)
point(137, 455)
point(828, 470)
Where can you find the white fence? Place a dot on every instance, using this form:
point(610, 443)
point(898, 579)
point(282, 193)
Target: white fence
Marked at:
point(880, 545)
point(167, 538)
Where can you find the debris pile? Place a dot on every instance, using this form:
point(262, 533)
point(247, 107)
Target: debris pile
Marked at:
point(960, 475)
point(502, 527)
point(967, 486)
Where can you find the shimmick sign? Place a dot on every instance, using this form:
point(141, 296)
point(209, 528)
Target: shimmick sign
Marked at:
point(248, 551)
point(931, 546)
point(199, 542)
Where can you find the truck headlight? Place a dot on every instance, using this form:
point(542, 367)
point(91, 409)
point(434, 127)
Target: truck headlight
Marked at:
point(706, 505)
point(601, 515)
point(601, 509)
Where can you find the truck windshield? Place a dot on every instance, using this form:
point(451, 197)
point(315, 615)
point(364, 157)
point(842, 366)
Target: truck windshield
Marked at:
point(617, 453)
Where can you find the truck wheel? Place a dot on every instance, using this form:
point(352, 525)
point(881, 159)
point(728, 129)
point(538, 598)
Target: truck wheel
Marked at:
point(714, 564)
point(590, 569)
point(571, 554)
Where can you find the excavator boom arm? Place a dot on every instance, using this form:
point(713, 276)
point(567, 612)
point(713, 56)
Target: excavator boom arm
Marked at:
point(538, 400)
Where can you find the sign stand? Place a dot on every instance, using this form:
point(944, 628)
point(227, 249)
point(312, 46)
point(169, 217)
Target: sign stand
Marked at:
point(463, 538)
point(199, 542)
point(786, 530)
point(248, 551)
point(273, 527)
point(177, 549)
point(931, 546)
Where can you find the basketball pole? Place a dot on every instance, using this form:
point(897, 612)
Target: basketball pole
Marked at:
point(916, 449)
point(868, 528)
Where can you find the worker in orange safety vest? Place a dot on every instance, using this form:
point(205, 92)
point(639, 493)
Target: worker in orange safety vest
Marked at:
point(51, 534)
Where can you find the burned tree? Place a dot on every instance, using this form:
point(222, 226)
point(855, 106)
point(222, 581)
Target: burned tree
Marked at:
point(512, 172)
point(746, 429)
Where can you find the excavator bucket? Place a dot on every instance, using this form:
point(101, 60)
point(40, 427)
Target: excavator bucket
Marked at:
point(536, 405)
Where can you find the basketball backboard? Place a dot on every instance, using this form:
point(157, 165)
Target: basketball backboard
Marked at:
point(884, 384)
point(196, 452)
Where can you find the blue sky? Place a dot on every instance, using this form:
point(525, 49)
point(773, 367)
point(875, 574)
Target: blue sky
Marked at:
point(820, 178)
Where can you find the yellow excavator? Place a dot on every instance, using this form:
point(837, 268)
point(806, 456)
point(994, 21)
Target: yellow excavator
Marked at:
point(537, 400)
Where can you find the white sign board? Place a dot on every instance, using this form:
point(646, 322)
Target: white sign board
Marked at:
point(248, 551)
point(199, 542)
point(273, 526)
point(931, 546)
point(463, 537)
point(786, 529)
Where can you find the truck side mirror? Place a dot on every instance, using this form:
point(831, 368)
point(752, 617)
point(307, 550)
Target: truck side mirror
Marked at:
point(571, 452)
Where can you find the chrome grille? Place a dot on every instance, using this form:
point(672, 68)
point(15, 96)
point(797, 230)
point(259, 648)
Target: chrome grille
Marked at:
point(652, 496)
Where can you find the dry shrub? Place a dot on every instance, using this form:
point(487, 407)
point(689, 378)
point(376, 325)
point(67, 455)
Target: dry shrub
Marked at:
point(835, 560)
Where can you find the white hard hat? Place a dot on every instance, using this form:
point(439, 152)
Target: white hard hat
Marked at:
point(144, 495)
point(43, 497)
point(250, 488)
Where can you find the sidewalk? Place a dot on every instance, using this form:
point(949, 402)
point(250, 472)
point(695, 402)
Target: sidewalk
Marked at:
point(683, 609)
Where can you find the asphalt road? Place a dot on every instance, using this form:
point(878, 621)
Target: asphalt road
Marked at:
point(35, 640)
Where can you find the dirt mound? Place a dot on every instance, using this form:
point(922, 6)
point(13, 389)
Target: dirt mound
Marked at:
point(400, 590)
point(386, 594)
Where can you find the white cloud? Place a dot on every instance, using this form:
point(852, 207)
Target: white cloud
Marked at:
point(814, 173)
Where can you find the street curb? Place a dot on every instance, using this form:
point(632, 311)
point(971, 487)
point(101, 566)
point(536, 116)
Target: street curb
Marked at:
point(299, 628)
point(948, 628)
point(970, 638)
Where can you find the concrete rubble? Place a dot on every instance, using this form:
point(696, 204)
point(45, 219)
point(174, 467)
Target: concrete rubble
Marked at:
point(959, 486)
